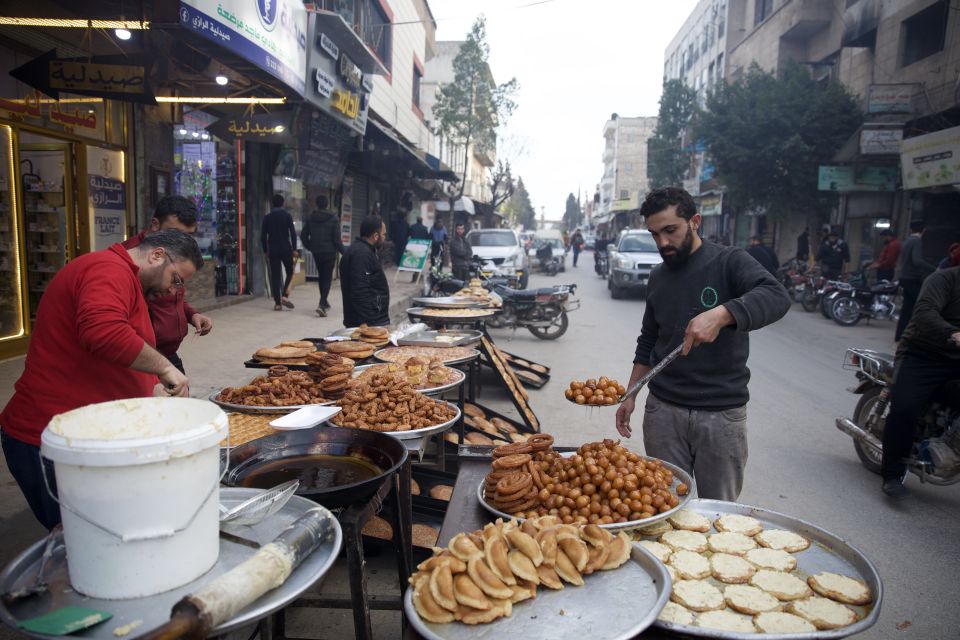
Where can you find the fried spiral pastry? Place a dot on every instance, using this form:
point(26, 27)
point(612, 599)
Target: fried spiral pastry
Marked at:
point(511, 449)
point(540, 441)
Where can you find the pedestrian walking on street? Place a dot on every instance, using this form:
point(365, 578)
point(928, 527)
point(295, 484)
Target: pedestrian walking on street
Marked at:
point(833, 256)
point(708, 298)
point(418, 231)
point(399, 234)
point(366, 294)
point(461, 253)
point(438, 235)
point(576, 243)
point(803, 246)
point(763, 254)
point(321, 237)
point(914, 269)
point(279, 239)
point(886, 262)
point(92, 342)
point(170, 314)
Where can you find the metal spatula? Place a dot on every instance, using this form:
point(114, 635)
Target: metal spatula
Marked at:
point(259, 507)
point(648, 376)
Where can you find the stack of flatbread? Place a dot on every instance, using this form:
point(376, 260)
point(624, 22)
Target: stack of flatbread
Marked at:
point(289, 352)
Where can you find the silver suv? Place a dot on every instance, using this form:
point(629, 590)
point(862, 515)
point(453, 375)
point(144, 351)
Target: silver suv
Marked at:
point(631, 260)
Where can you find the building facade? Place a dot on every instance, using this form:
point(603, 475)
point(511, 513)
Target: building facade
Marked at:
point(624, 183)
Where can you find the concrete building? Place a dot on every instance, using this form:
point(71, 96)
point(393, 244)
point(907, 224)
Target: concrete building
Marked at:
point(624, 183)
point(698, 54)
point(470, 163)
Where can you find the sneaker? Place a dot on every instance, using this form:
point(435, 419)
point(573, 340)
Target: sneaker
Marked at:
point(894, 488)
point(321, 312)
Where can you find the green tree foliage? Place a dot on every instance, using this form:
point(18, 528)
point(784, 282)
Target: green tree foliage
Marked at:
point(518, 209)
point(469, 109)
point(768, 135)
point(667, 163)
point(572, 215)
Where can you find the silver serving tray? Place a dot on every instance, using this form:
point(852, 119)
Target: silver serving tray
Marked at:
point(418, 312)
point(448, 302)
point(447, 362)
point(679, 475)
point(155, 610)
point(429, 391)
point(246, 408)
point(426, 338)
point(413, 434)
point(613, 605)
point(827, 552)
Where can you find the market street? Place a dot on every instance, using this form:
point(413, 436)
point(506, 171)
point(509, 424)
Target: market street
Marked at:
point(800, 464)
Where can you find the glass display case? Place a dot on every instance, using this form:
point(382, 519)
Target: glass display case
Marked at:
point(11, 293)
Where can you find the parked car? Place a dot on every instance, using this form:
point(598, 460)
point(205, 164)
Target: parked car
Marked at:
point(502, 247)
point(556, 244)
point(631, 259)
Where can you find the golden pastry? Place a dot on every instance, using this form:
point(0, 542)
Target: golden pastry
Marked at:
point(466, 591)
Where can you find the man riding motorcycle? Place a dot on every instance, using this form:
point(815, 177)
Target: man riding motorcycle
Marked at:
point(929, 355)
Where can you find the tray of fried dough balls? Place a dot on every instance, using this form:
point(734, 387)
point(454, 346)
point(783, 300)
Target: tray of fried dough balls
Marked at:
point(739, 571)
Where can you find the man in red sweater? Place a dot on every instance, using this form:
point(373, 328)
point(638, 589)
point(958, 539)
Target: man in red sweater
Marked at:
point(886, 262)
point(92, 342)
point(170, 314)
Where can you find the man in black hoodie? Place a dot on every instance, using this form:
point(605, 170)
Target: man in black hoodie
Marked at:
point(709, 297)
point(366, 294)
point(321, 236)
point(279, 239)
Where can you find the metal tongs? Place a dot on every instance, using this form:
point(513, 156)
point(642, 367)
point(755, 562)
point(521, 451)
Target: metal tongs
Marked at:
point(648, 376)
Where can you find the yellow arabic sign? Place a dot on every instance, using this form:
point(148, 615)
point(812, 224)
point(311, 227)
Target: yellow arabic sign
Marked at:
point(245, 129)
point(113, 78)
point(346, 102)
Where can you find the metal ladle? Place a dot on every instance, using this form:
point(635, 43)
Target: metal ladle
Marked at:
point(648, 376)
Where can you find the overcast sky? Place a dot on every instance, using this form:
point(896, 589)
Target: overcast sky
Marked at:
point(577, 62)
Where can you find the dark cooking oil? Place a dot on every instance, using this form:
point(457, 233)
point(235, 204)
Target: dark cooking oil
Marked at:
point(315, 472)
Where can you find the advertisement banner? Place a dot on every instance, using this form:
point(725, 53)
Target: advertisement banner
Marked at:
point(107, 197)
point(931, 160)
point(272, 34)
point(880, 141)
point(890, 98)
point(414, 255)
point(848, 178)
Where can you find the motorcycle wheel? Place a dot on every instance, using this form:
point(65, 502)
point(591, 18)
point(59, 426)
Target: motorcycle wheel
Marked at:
point(826, 302)
point(554, 331)
point(870, 458)
point(809, 301)
point(845, 311)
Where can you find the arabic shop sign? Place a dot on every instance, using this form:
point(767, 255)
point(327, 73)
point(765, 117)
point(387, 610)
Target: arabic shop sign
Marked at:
point(107, 193)
point(263, 127)
point(338, 86)
point(34, 106)
point(857, 179)
point(269, 33)
point(109, 77)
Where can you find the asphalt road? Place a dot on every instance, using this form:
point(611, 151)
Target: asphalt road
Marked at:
point(800, 464)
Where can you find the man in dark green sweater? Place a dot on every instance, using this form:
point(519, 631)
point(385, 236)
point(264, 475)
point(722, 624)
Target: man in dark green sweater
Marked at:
point(321, 236)
point(704, 296)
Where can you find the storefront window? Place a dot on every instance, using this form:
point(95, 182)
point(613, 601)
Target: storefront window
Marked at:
point(11, 302)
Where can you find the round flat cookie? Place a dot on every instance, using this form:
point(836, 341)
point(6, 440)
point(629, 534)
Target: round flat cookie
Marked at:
point(725, 621)
point(656, 529)
point(676, 614)
point(689, 521)
point(840, 588)
point(690, 565)
point(735, 523)
point(697, 595)
point(775, 559)
point(782, 585)
point(673, 573)
point(689, 540)
point(731, 569)
point(780, 539)
point(733, 543)
point(823, 612)
point(661, 551)
point(749, 600)
point(781, 622)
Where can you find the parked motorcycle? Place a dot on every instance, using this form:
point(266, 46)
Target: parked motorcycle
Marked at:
point(810, 299)
point(793, 276)
point(543, 312)
point(875, 302)
point(548, 264)
point(440, 283)
point(934, 457)
point(601, 263)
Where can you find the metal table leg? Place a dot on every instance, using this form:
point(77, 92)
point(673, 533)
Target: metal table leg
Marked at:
point(358, 581)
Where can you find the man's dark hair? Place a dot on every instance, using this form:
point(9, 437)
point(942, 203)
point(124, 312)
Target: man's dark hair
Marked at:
point(278, 200)
point(322, 203)
point(916, 226)
point(419, 220)
point(460, 224)
point(370, 226)
point(754, 238)
point(665, 197)
point(177, 244)
point(181, 208)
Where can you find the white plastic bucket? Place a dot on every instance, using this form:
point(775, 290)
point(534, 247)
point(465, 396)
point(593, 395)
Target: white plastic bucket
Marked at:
point(138, 484)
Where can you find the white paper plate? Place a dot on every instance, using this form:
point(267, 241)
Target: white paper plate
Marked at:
point(305, 418)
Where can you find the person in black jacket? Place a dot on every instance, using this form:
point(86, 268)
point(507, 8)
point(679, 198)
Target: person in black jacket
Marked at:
point(366, 294)
point(461, 253)
point(321, 236)
point(279, 240)
point(763, 254)
point(418, 231)
point(833, 255)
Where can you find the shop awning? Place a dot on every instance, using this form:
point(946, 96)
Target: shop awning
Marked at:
point(463, 204)
point(385, 153)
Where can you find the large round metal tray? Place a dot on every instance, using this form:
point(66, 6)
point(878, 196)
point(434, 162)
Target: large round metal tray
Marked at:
point(679, 475)
point(449, 302)
point(246, 408)
point(613, 605)
point(424, 432)
point(428, 391)
point(154, 611)
point(447, 361)
point(418, 312)
point(828, 552)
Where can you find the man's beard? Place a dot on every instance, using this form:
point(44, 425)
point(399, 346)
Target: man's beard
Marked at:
point(152, 283)
point(681, 254)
